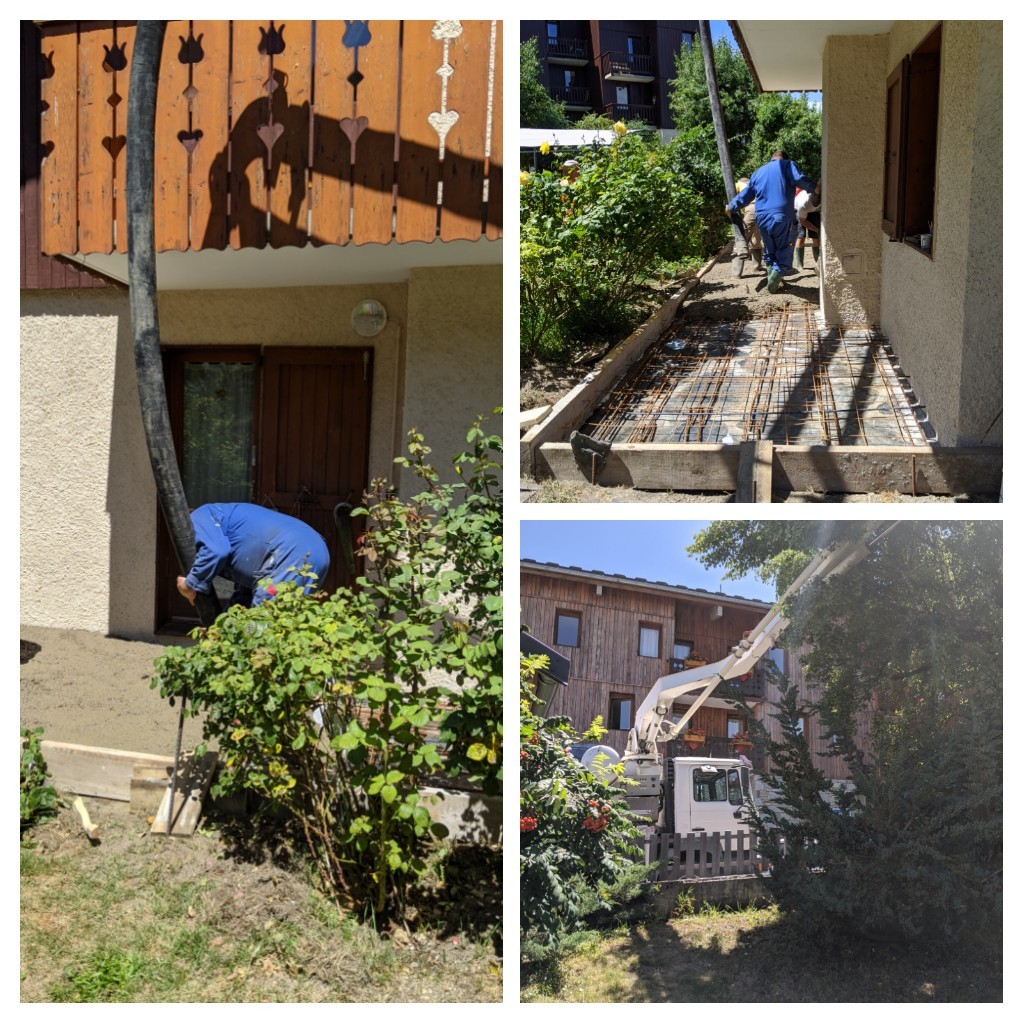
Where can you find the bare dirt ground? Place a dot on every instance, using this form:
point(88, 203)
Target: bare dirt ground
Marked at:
point(92, 689)
point(718, 296)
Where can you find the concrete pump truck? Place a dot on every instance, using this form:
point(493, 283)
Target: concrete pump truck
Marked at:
point(707, 794)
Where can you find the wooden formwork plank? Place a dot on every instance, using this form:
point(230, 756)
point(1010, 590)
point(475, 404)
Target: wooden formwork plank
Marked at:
point(126, 40)
point(573, 409)
point(654, 467)
point(170, 155)
point(904, 470)
point(96, 771)
point(194, 778)
point(97, 138)
point(754, 481)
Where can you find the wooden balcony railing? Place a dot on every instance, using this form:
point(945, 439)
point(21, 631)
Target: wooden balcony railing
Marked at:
point(569, 49)
point(277, 133)
point(574, 95)
point(626, 65)
point(630, 112)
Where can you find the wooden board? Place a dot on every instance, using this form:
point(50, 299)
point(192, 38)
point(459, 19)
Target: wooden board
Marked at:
point(170, 157)
point(208, 184)
point(59, 173)
point(494, 166)
point(125, 35)
point(96, 771)
point(655, 467)
point(193, 784)
point(147, 788)
point(754, 481)
point(247, 180)
point(95, 122)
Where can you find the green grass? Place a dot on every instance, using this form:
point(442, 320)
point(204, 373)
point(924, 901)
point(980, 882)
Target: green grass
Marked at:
point(139, 918)
point(748, 956)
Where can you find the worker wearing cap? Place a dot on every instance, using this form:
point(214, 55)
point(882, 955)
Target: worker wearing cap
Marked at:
point(255, 548)
point(774, 186)
point(746, 221)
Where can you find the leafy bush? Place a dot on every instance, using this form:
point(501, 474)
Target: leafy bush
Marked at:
point(574, 828)
point(39, 800)
point(589, 241)
point(325, 705)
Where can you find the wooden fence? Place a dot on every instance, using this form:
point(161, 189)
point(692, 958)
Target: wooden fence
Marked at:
point(277, 133)
point(702, 855)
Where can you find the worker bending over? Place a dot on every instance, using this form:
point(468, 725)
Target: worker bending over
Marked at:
point(773, 186)
point(255, 548)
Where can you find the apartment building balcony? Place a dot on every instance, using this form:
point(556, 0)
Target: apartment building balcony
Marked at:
point(574, 97)
point(752, 686)
point(630, 112)
point(627, 67)
point(568, 51)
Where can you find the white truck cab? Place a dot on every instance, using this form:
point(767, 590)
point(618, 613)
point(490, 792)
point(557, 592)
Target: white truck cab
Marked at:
point(705, 794)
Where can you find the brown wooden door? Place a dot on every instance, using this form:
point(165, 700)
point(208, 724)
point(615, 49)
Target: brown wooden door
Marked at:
point(308, 417)
point(315, 436)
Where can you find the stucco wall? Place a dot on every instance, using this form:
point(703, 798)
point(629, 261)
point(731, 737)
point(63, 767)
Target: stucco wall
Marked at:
point(944, 314)
point(453, 355)
point(853, 130)
point(88, 504)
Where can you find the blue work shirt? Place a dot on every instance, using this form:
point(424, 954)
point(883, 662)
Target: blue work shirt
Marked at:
point(774, 187)
point(249, 543)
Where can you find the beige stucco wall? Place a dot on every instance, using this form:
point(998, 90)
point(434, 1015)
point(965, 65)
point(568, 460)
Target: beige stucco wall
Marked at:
point(453, 313)
point(943, 314)
point(853, 127)
point(88, 504)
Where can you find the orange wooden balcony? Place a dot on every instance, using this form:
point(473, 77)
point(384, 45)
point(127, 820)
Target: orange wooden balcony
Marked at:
point(277, 133)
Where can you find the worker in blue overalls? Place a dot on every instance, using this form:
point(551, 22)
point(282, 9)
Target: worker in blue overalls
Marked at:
point(774, 187)
point(255, 548)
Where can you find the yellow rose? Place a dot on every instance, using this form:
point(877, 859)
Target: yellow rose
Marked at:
point(524, 177)
point(545, 148)
point(619, 128)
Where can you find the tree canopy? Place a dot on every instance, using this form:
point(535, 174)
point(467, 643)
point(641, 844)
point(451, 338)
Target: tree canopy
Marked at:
point(909, 641)
point(536, 107)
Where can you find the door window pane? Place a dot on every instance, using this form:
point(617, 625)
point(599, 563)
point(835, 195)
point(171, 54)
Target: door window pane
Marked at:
point(217, 449)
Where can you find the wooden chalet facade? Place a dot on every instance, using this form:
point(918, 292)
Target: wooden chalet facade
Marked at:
point(327, 206)
point(621, 635)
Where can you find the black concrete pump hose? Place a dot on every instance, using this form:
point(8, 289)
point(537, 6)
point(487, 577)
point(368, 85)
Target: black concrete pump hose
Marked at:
point(156, 421)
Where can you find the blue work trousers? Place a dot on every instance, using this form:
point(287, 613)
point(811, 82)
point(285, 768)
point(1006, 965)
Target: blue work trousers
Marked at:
point(777, 235)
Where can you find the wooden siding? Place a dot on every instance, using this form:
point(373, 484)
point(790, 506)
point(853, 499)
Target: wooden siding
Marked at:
point(606, 661)
point(37, 270)
point(277, 133)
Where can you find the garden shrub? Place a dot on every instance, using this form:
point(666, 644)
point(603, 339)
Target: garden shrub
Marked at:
point(590, 241)
point(325, 705)
point(574, 827)
point(39, 800)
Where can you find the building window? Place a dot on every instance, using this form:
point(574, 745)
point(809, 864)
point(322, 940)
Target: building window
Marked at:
point(801, 725)
point(911, 145)
point(650, 641)
point(552, 32)
point(735, 725)
point(570, 78)
point(688, 40)
point(567, 629)
point(620, 712)
point(777, 656)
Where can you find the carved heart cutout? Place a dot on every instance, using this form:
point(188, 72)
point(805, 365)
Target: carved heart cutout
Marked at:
point(354, 127)
point(113, 145)
point(269, 134)
point(190, 139)
point(441, 123)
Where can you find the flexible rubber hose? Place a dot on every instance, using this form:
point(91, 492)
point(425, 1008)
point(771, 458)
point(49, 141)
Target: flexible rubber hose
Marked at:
point(142, 300)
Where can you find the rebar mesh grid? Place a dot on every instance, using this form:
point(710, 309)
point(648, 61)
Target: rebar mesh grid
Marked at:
point(779, 377)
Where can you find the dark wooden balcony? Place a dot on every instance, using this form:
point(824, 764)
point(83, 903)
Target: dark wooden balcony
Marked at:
point(274, 133)
point(714, 746)
point(630, 112)
point(627, 67)
point(568, 51)
point(753, 686)
point(572, 95)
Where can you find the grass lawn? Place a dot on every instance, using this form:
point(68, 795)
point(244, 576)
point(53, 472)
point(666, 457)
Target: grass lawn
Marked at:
point(225, 916)
point(751, 956)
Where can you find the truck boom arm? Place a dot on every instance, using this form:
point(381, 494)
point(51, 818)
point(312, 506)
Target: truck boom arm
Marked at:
point(653, 724)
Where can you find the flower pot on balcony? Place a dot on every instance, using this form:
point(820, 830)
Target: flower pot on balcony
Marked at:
point(742, 745)
point(695, 662)
point(693, 739)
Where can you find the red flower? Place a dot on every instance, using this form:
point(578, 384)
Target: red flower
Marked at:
point(527, 823)
point(595, 825)
point(271, 590)
point(523, 755)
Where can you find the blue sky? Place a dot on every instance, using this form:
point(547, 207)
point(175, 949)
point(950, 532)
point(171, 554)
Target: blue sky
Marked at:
point(640, 548)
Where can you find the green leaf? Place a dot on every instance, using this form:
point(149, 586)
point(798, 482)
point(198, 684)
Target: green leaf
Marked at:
point(476, 752)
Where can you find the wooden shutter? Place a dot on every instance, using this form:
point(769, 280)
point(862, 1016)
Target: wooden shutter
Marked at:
point(893, 198)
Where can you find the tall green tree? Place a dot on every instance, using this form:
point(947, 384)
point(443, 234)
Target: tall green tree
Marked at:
point(909, 640)
point(691, 108)
point(536, 107)
point(789, 123)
